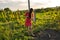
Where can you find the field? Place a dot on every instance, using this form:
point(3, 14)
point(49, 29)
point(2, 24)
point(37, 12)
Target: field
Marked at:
point(12, 23)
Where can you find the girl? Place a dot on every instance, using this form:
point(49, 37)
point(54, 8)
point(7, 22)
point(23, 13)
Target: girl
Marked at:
point(28, 20)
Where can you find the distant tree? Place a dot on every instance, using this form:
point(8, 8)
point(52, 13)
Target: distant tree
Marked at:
point(7, 9)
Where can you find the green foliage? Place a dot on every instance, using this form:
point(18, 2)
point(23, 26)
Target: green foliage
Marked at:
point(12, 23)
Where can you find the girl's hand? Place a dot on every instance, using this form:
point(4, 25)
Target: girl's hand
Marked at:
point(32, 19)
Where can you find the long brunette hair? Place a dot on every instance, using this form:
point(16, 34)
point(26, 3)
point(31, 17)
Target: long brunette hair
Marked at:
point(31, 10)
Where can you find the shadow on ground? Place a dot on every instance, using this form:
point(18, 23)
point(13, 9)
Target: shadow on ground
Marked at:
point(47, 34)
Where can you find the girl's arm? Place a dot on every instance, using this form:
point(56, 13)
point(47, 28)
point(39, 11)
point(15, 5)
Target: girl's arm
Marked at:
point(26, 13)
point(32, 16)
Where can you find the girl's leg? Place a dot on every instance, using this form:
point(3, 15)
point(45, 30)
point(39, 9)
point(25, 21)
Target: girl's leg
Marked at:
point(27, 29)
point(30, 30)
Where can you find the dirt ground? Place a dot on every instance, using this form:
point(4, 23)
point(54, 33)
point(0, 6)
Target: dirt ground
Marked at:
point(47, 34)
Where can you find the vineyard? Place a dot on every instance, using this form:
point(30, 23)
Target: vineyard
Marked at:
point(12, 23)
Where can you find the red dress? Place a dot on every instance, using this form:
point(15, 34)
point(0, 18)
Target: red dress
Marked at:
point(27, 20)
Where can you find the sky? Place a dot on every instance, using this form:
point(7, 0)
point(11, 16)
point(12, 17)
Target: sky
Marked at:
point(23, 4)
